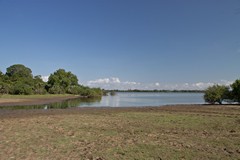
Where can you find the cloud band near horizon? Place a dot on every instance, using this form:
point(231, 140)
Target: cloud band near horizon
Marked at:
point(116, 83)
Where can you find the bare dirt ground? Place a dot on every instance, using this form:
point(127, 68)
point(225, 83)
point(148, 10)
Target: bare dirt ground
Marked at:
point(169, 132)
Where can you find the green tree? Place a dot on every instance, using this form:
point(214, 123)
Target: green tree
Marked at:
point(19, 71)
point(56, 89)
point(75, 89)
point(1, 75)
point(90, 92)
point(97, 92)
point(22, 88)
point(4, 88)
point(39, 85)
point(216, 94)
point(61, 81)
point(20, 79)
point(236, 90)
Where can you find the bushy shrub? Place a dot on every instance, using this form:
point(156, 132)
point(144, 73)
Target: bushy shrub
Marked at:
point(4, 88)
point(56, 89)
point(74, 90)
point(22, 88)
point(216, 94)
point(90, 92)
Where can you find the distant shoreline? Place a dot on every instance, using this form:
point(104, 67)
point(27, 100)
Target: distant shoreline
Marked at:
point(159, 91)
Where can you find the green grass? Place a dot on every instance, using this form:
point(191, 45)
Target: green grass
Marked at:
point(122, 135)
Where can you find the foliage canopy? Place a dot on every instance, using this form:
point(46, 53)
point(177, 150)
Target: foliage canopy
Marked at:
point(19, 70)
point(216, 94)
point(18, 79)
point(236, 90)
point(219, 93)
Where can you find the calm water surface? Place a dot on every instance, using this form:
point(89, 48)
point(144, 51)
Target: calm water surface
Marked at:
point(146, 99)
point(128, 99)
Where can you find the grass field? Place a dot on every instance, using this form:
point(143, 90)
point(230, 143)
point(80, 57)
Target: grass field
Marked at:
point(173, 132)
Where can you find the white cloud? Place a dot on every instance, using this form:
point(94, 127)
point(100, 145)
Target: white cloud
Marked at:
point(116, 83)
point(113, 83)
point(111, 80)
point(226, 82)
point(45, 78)
point(201, 85)
point(99, 81)
point(131, 83)
point(115, 80)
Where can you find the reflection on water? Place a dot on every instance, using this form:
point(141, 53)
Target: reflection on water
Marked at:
point(57, 105)
point(138, 99)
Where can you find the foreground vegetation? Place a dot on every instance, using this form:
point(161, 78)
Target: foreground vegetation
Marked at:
point(18, 80)
point(181, 132)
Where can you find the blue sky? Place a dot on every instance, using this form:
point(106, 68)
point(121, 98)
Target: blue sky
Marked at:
point(124, 44)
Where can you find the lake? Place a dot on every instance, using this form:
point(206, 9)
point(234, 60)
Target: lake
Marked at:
point(139, 99)
point(125, 99)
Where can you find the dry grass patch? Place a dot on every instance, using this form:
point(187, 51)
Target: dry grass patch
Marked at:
point(122, 134)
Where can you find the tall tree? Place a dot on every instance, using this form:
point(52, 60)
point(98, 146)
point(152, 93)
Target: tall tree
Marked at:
point(20, 79)
point(22, 88)
point(60, 81)
point(236, 90)
point(1, 76)
point(19, 70)
point(4, 87)
point(39, 85)
point(216, 94)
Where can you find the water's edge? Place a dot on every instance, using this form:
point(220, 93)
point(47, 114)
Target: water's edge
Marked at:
point(139, 99)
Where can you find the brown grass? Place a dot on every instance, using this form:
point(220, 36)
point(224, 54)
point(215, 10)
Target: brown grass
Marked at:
point(173, 132)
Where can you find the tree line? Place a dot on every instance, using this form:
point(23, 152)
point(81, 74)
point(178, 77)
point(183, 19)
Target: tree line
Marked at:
point(221, 93)
point(19, 80)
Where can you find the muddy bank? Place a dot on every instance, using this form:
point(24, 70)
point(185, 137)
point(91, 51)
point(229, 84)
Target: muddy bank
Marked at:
point(210, 110)
point(34, 101)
